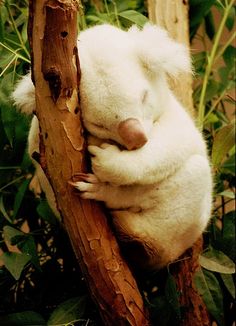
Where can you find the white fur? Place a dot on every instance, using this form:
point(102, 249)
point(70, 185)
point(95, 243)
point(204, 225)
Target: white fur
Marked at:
point(159, 194)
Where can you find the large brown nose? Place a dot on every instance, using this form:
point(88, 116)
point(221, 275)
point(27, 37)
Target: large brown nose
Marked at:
point(132, 133)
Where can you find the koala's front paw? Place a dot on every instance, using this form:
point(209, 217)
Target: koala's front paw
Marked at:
point(105, 163)
point(88, 185)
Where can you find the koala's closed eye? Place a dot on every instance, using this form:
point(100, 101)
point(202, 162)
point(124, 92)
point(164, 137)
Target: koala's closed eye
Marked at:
point(100, 126)
point(144, 96)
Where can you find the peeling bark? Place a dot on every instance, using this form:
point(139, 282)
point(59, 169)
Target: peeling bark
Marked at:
point(173, 16)
point(55, 67)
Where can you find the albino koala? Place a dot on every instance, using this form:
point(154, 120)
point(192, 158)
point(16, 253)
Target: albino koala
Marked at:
point(149, 161)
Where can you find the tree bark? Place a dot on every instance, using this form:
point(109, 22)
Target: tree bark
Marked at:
point(56, 74)
point(173, 16)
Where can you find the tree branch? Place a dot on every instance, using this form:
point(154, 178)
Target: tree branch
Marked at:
point(173, 16)
point(53, 40)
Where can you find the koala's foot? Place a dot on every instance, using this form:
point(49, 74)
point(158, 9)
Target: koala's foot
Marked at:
point(35, 186)
point(88, 185)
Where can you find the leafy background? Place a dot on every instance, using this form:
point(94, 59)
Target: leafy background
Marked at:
point(40, 282)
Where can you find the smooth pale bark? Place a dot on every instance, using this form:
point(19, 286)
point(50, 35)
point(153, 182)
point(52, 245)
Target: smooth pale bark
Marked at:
point(173, 16)
point(56, 74)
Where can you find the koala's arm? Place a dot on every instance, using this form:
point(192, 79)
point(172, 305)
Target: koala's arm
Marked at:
point(173, 140)
point(115, 197)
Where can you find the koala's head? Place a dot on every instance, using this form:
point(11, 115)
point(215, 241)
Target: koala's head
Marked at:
point(123, 88)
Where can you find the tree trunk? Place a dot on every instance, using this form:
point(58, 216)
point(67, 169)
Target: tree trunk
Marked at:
point(173, 16)
point(56, 74)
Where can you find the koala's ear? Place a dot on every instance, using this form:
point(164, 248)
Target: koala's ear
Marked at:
point(157, 51)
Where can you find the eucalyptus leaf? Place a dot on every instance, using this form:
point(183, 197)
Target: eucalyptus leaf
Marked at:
point(227, 193)
point(20, 196)
point(223, 142)
point(134, 17)
point(225, 240)
point(230, 19)
point(171, 295)
point(229, 165)
point(216, 261)
point(212, 90)
point(209, 25)
point(1, 25)
point(24, 241)
point(25, 318)
point(7, 120)
point(15, 262)
point(229, 56)
point(210, 290)
point(10, 233)
point(229, 283)
point(68, 311)
point(161, 312)
point(3, 210)
point(198, 10)
point(228, 225)
point(28, 246)
point(45, 211)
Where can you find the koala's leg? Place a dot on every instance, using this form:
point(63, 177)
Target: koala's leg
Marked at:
point(39, 181)
point(167, 149)
point(116, 197)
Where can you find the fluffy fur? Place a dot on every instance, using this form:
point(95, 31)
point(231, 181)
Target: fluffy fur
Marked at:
point(159, 194)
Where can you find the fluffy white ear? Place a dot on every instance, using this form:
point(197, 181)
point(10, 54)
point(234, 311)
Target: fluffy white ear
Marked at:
point(158, 51)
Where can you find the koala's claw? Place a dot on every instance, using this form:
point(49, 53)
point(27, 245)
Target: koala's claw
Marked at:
point(87, 184)
point(87, 177)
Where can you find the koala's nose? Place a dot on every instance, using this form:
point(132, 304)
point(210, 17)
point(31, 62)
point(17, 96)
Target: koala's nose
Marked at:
point(132, 133)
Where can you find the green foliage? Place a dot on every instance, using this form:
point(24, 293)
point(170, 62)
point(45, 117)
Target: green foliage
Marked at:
point(120, 13)
point(210, 290)
point(40, 283)
point(213, 97)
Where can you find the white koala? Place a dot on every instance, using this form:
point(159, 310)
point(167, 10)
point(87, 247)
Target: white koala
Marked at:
point(149, 161)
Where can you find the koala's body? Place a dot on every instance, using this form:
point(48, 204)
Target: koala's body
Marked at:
point(149, 161)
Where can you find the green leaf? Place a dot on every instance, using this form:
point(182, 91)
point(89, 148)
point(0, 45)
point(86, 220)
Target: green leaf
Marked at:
point(227, 193)
point(216, 261)
point(199, 62)
point(15, 262)
point(210, 290)
point(212, 118)
point(1, 25)
point(28, 246)
point(134, 17)
point(25, 318)
point(223, 142)
point(229, 165)
point(8, 123)
point(45, 211)
point(209, 25)
point(161, 312)
point(20, 196)
point(212, 90)
point(10, 233)
point(231, 18)
point(198, 10)
point(171, 295)
point(229, 56)
point(3, 210)
point(68, 311)
point(225, 240)
point(229, 283)
point(24, 241)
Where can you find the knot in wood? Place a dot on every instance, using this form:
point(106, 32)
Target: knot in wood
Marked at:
point(53, 77)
